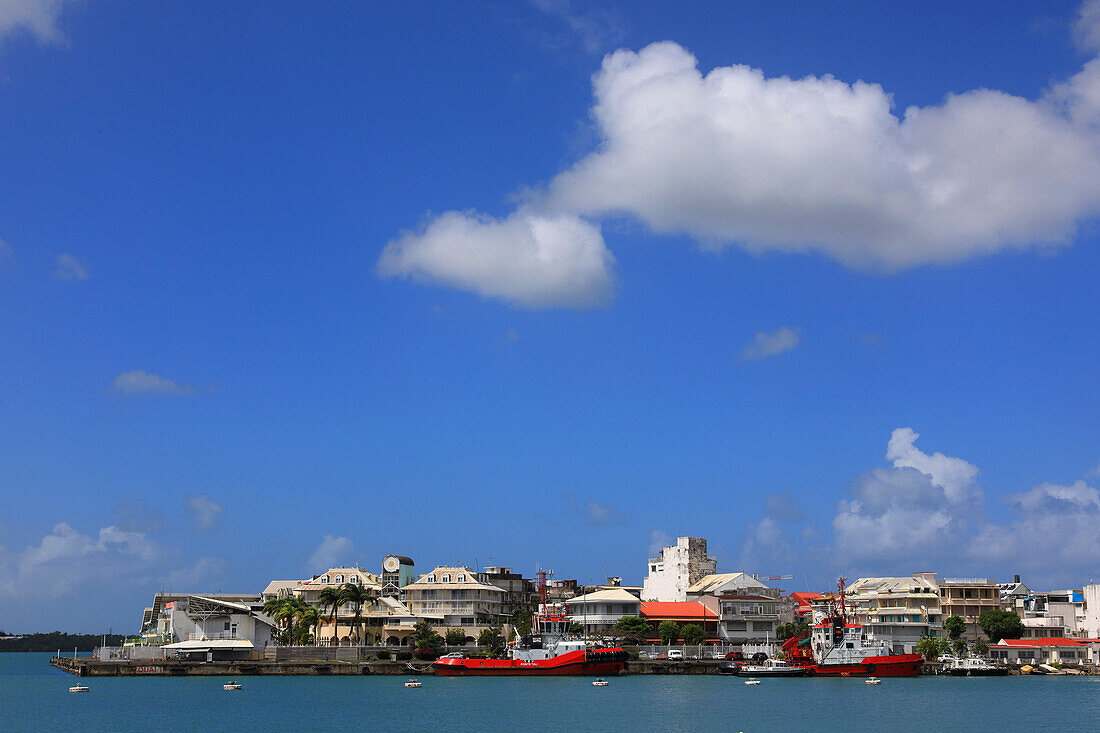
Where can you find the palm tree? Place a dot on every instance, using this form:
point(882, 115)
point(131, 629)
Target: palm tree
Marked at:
point(356, 595)
point(332, 597)
point(308, 617)
point(282, 610)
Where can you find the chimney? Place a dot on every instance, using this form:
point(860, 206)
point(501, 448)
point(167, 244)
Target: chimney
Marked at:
point(1017, 578)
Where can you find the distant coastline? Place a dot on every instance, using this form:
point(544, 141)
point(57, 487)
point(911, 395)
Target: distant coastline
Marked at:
point(54, 640)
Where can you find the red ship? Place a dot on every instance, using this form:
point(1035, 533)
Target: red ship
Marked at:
point(838, 647)
point(550, 650)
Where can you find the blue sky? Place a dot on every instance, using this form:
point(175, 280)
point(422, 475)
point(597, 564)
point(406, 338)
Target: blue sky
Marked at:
point(301, 285)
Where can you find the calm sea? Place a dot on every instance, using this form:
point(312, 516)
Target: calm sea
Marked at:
point(34, 697)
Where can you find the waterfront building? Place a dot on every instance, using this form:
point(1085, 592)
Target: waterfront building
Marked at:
point(897, 610)
point(279, 589)
point(968, 598)
point(1010, 592)
point(683, 613)
point(202, 627)
point(750, 614)
point(717, 583)
point(677, 569)
point(1045, 651)
point(599, 611)
point(802, 606)
point(1052, 614)
point(453, 596)
point(342, 629)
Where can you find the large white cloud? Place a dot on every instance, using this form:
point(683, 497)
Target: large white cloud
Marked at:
point(734, 157)
point(526, 259)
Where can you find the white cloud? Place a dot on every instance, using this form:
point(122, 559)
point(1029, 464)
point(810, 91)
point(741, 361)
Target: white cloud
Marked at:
point(205, 512)
point(526, 259)
point(766, 344)
point(66, 560)
point(594, 28)
point(595, 513)
point(782, 506)
point(658, 540)
point(818, 164)
point(39, 17)
point(139, 381)
point(5, 252)
point(196, 576)
point(69, 267)
point(331, 552)
point(734, 157)
point(1086, 30)
point(954, 475)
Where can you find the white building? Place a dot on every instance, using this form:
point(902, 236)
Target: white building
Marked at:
point(1091, 625)
point(599, 611)
point(898, 610)
point(677, 569)
point(206, 627)
point(453, 596)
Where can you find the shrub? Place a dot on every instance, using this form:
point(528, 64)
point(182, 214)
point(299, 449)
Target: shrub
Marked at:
point(384, 656)
point(404, 656)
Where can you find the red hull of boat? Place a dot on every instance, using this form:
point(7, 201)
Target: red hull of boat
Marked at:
point(894, 665)
point(574, 663)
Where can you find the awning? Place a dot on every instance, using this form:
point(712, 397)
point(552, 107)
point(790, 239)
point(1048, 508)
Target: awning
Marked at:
point(206, 645)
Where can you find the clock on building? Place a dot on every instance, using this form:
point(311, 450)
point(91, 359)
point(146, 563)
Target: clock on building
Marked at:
point(391, 564)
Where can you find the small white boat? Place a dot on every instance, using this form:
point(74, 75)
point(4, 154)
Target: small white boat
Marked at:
point(79, 688)
point(600, 683)
point(753, 681)
point(872, 681)
point(414, 683)
point(231, 685)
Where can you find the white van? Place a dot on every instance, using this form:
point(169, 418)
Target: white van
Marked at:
point(675, 655)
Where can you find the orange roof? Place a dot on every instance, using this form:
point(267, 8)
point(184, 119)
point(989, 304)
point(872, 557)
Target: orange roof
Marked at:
point(1046, 641)
point(678, 611)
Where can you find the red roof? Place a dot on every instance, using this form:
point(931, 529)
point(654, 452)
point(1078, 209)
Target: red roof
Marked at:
point(1045, 641)
point(678, 611)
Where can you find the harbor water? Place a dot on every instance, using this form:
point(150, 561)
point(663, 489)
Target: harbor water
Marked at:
point(34, 696)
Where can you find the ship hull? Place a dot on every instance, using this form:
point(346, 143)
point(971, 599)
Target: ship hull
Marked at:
point(603, 664)
point(894, 665)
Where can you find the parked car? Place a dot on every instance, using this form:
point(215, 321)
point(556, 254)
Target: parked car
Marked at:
point(675, 655)
point(735, 656)
point(713, 655)
point(454, 655)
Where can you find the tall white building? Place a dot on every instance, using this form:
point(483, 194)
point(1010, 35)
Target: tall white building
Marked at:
point(678, 568)
point(1091, 626)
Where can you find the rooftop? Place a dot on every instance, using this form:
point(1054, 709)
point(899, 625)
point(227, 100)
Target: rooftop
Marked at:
point(678, 611)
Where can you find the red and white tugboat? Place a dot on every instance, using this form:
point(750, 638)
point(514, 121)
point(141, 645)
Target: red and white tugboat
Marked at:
point(837, 647)
point(549, 650)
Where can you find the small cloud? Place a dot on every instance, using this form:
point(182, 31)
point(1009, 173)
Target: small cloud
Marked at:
point(205, 512)
point(137, 515)
point(5, 252)
point(766, 344)
point(331, 552)
point(658, 540)
point(595, 29)
point(511, 336)
point(595, 513)
point(1095, 471)
point(196, 576)
point(70, 268)
point(38, 17)
point(870, 339)
point(1086, 30)
point(139, 381)
point(782, 506)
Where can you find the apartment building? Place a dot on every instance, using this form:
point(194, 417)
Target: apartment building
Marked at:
point(598, 612)
point(897, 610)
point(968, 598)
point(455, 596)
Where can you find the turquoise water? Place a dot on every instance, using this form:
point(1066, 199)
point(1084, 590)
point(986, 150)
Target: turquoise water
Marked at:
point(34, 696)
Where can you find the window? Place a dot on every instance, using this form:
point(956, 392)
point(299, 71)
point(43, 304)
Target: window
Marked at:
point(446, 577)
point(431, 578)
point(324, 580)
point(460, 579)
point(354, 579)
point(339, 579)
point(226, 626)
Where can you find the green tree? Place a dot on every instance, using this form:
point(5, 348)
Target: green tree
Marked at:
point(693, 634)
point(307, 617)
point(669, 631)
point(426, 641)
point(332, 598)
point(999, 625)
point(928, 648)
point(356, 595)
point(954, 626)
point(958, 648)
point(493, 640)
point(576, 628)
point(979, 647)
point(521, 621)
point(455, 636)
point(794, 628)
point(634, 629)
